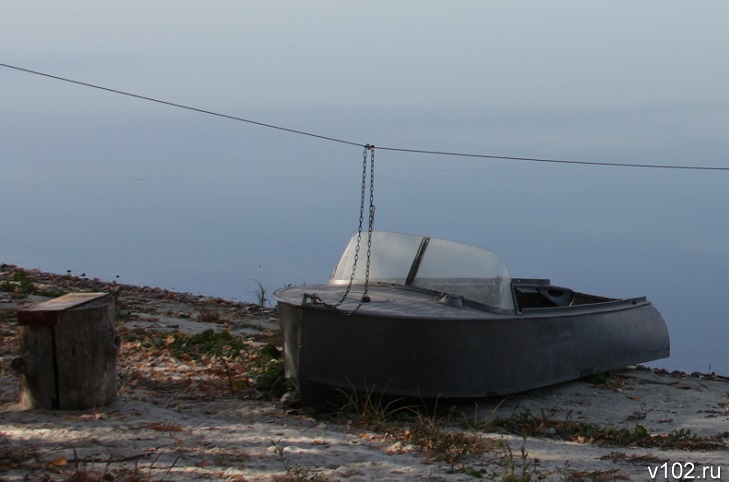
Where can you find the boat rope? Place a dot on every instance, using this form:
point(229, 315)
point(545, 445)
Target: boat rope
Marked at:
point(371, 223)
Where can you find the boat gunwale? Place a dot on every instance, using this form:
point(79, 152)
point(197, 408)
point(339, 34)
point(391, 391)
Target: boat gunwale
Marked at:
point(610, 304)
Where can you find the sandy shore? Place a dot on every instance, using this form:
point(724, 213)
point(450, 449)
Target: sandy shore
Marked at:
point(184, 417)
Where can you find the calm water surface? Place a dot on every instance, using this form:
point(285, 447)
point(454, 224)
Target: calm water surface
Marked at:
point(112, 186)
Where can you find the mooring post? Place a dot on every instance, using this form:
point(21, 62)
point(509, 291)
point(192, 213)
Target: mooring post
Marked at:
point(68, 350)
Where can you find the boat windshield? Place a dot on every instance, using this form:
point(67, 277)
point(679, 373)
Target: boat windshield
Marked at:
point(444, 266)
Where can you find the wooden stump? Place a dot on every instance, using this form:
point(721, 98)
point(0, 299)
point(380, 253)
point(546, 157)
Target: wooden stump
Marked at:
point(68, 352)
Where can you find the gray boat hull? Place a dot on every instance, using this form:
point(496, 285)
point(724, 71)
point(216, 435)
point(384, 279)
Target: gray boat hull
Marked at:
point(405, 344)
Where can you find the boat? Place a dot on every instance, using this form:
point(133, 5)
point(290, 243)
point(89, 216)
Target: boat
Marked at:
point(425, 318)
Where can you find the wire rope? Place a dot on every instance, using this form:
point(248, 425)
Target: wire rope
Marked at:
point(364, 145)
point(181, 106)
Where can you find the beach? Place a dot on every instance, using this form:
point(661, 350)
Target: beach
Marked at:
point(222, 414)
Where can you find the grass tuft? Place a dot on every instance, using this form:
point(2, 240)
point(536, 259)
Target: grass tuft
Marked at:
point(453, 447)
point(260, 294)
point(370, 408)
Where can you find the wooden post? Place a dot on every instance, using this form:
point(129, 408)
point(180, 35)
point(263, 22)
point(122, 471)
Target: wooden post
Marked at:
point(68, 352)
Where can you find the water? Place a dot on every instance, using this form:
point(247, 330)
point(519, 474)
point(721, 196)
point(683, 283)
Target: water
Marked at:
point(111, 186)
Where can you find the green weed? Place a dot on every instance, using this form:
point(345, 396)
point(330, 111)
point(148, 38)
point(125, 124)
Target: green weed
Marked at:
point(21, 283)
point(269, 373)
point(207, 343)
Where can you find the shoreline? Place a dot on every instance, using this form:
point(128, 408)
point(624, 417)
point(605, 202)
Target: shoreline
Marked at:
point(75, 283)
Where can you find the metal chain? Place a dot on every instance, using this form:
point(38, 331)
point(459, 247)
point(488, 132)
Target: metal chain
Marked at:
point(365, 295)
point(361, 222)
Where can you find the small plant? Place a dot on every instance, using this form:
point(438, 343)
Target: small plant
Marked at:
point(368, 407)
point(269, 376)
point(260, 294)
point(524, 423)
point(24, 281)
point(20, 283)
point(519, 468)
point(244, 366)
point(609, 380)
point(207, 343)
point(450, 446)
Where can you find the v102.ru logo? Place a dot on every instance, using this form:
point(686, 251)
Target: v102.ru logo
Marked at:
point(684, 471)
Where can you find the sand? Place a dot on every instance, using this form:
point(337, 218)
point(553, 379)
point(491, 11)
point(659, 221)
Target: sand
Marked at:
point(180, 420)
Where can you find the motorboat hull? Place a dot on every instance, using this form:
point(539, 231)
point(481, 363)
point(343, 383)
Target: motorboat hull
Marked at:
point(405, 344)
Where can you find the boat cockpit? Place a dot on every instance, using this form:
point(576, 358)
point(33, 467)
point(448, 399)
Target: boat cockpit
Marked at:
point(457, 274)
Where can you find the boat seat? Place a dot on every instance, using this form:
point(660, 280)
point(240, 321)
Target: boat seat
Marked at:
point(555, 294)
